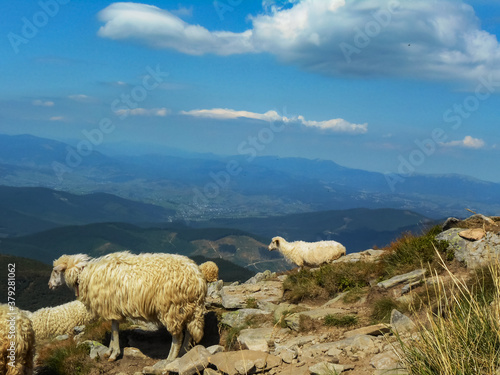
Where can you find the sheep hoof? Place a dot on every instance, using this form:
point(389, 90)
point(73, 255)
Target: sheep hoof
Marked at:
point(110, 355)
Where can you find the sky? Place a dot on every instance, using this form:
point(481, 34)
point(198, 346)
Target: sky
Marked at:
point(393, 86)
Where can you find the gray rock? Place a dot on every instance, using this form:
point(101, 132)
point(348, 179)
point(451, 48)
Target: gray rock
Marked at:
point(239, 317)
point(373, 330)
point(401, 323)
point(225, 361)
point(400, 279)
point(450, 223)
point(473, 253)
point(78, 329)
point(244, 366)
point(261, 276)
point(386, 361)
point(326, 368)
point(193, 362)
point(259, 338)
point(215, 349)
point(62, 337)
point(236, 296)
point(209, 371)
point(133, 353)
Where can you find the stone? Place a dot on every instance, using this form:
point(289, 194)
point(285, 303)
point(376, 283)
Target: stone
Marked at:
point(244, 366)
point(236, 296)
point(259, 338)
point(62, 337)
point(287, 355)
point(194, 361)
point(474, 234)
point(391, 372)
point(98, 351)
point(78, 329)
point(450, 223)
point(400, 279)
point(373, 330)
point(408, 287)
point(401, 323)
point(239, 317)
point(281, 309)
point(225, 361)
point(209, 371)
point(261, 276)
point(473, 253)
point(133, 353)
point(215, 349)
point(326, 368)
point(385, 361)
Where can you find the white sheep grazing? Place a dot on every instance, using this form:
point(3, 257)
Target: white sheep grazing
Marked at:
point(161, 288)
point(17, 342)
point(210, 271)
point(59, 320)
point(310, 254)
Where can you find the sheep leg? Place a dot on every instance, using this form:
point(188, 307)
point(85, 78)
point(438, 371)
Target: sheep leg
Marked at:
point(114, 344)
point(186, 345)
point(175, 347)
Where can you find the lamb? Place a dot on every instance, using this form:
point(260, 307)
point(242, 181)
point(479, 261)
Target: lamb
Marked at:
point(308, 253)
point(210, 271)
point(161, 288)
point(59, 320)
point(17, 342)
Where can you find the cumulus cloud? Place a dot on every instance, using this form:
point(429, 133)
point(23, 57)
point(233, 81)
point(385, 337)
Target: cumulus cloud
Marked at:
point(431, 39)
point(467, 142)
point(42, 103)
point(82, 98)
point(161, 112)
point(335, 125)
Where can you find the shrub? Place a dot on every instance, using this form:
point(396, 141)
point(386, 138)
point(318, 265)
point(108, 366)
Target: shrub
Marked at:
point(382, 308)
point(302, 285)
point(65, 358)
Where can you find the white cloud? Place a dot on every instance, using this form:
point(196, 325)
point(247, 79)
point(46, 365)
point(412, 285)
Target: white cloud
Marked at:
point(42, 103)
point(431, 39)
point(162, 112)
point(335, 125)
point(82, 98)
point(467, 142)
point(56, 118)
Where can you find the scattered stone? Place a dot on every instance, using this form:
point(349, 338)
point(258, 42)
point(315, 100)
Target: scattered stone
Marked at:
point(374, 330)
point(62, 337)
point(261, 276)
point(293, 320)
point(259, 338)
point(209, 371)
point(401, 323)
point(450, 223)
point(400, 279)
point(326, 368)
point(78, 329)
point(388, 360)
point(474, 234)
point(236, 296)
point(133, 353)
point(225, 361)
point(214, 349)
point(408, 287)
point(369, 255)
point(244, 366)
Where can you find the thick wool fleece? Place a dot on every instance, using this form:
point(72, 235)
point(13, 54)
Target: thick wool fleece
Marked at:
point(161, 288)
point(308, 253)
point(23, 341)
point(60, 320)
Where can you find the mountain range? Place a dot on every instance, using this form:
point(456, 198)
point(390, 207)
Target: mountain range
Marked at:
point(204, 187)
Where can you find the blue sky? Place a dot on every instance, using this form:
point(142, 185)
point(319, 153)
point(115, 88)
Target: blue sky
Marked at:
point(383, 85)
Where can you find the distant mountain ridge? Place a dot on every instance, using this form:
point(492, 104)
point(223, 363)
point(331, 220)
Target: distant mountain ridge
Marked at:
point(199, 187)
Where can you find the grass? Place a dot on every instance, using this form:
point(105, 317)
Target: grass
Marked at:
point(382, 309)
point(338, 320)
point(251, 303)
point(461, 335)
point(410, 251)
point(65, 358)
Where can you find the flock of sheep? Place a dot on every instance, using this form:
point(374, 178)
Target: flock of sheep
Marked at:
point(162, 288)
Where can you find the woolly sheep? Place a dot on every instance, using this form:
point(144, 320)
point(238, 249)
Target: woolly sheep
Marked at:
point(59, 320)
point(17, 342)
point(308, 253)
point(210, 271)
point(160, 288)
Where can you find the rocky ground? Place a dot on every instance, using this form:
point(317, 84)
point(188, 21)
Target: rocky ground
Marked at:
point(272, 336)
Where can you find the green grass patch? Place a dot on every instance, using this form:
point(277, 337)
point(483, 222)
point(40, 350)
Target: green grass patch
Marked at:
point(338, 320)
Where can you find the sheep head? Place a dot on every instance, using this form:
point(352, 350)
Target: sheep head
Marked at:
point(210, 271)
point(276, 243)
point(67, 269)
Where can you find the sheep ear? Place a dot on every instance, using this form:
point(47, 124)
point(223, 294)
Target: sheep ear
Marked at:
point(277, 242)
